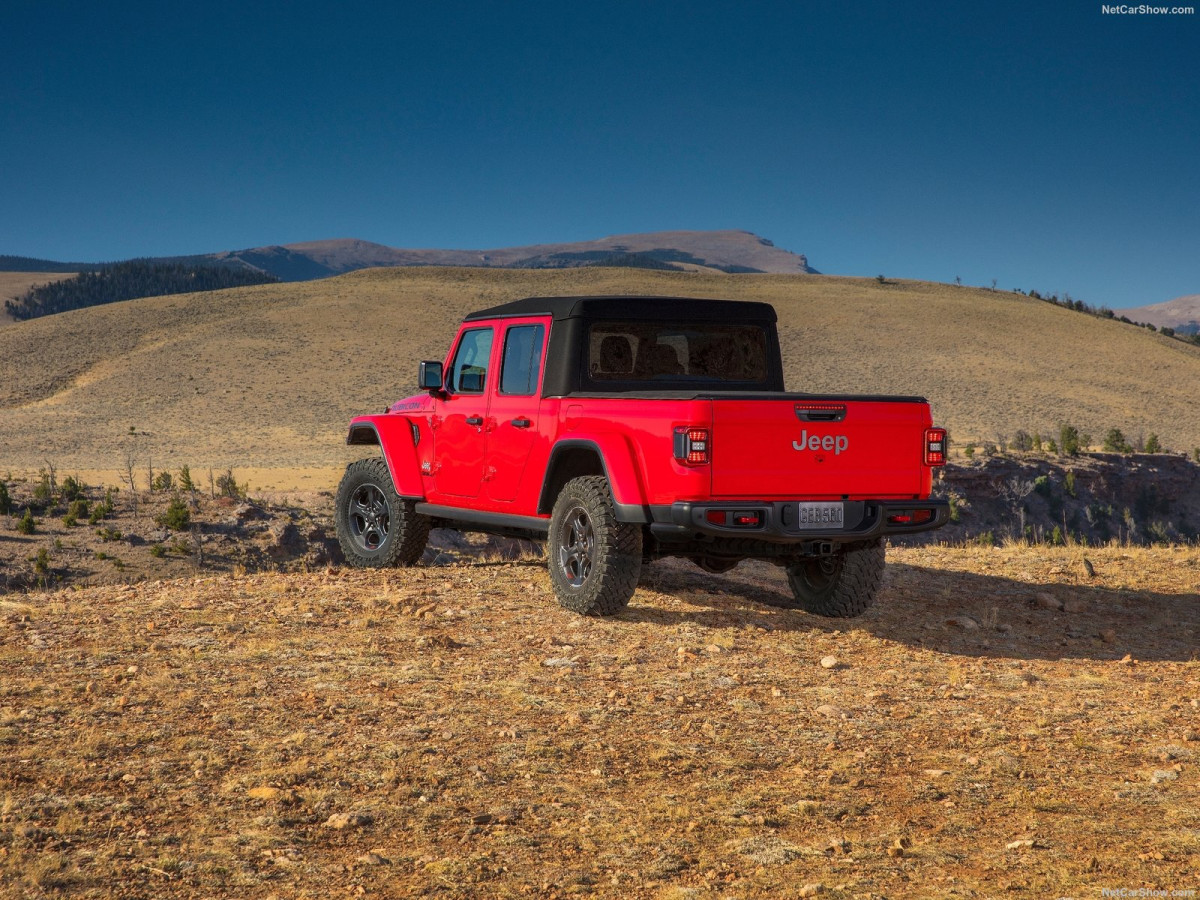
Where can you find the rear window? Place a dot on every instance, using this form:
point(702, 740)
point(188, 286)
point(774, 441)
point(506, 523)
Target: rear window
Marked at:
point(659, 352)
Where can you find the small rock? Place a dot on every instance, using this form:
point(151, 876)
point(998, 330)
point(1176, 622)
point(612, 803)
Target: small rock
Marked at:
point(1089, 568)
point(1161, 775)
point(833, 712)
point(966, 623)
point(811, 890)
point(714, 648)
point(1047, 601)
point(829, 662)
point(372, 859)
point(561, 662)
point(1025, 844)
point(342, 821)
point(1004, 628)
point(1191, 735)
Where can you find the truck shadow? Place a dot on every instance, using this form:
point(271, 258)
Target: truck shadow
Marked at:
point(964, 614)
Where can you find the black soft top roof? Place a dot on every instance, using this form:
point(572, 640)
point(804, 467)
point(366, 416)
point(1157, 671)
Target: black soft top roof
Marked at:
point(632, 307)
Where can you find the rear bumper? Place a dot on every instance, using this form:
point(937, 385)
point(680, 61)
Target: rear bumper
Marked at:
point(863, 520)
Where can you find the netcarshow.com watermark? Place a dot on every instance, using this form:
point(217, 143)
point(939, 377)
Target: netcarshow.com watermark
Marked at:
point(1144, 10)
point(1145, 892)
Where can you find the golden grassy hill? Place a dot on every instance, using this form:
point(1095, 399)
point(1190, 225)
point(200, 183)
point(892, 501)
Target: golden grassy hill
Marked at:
point(266, 377)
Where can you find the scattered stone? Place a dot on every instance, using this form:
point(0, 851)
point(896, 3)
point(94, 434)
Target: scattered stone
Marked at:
point(1161, 775)
point(1047, 601)
point(561, 662)
point(285, 540)
point(833, 712)
point(342, 821)
point(829, 662)
point(1004, 628)
point(1025, 844)
point(811, 890)
point(373, 859)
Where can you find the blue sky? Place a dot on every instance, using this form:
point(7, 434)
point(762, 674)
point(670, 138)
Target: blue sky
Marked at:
point(1048, 145)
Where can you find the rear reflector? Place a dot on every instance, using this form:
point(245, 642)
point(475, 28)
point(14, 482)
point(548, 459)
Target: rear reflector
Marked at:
point(935, 446)
point(716, 516)
point(737, 518)
point(692, 445)
point(911, 517)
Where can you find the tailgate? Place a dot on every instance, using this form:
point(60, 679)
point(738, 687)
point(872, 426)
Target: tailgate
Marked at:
point(818, 448)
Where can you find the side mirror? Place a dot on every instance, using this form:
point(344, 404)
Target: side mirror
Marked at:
point(429, 376)
point(470, 382)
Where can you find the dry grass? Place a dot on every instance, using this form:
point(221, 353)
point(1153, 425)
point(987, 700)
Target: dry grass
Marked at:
point(268, 376)
point(201, 738)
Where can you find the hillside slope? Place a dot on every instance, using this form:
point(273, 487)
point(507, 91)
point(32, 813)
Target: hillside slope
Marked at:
point(268, 376)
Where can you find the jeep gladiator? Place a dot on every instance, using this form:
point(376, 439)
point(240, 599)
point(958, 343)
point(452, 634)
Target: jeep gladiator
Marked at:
point(620, 430)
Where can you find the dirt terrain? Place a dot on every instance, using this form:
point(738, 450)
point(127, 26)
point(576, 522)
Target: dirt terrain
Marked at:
point(1001, 724)
point(267, 377)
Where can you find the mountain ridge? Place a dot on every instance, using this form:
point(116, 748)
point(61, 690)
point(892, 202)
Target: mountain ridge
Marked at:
point(1182, 314)
point(730, 251)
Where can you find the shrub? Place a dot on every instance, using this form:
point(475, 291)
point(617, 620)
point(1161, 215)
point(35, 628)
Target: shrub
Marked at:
point(1153, 445)
point(1037, 442)
point(1069, 483)
point(26, 525)
point(108, 534)
point(41, 562)
point(177, 517)
point(103, 509)
point(43, 493)
point(1056, 537)
point(1051, 446)
point(185, 480)
point(1068, 437)
point(70, 521)
point(158, 551)
point(227, 486)
point(78, 508)
point(162, 482)
point(1041, 485)
point(5, 500)
point(71, 489)
point(969, 451)
point(1196, 454)
point(1022, 441)
point(1114, 442)
point(985, 539)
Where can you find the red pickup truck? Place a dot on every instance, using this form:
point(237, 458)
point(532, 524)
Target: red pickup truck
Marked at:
point(620, 430)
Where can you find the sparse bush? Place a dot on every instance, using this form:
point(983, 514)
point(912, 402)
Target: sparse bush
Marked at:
point(158, 551)
point(1037, 442)
point(1069, 483)
point(71, 489)
point(1056, 537)
point(103, 509)
point(26, 525)
point(1114, 442)
point(1041, 485)
point(185, 480)
point(1022, 441)
point(1153, 445)
point(78, 508)
point(70, 521)
point(1196, 454)
point(108, 533)
point(881, 279)
point(41, 562)
point(177, 517)
point(6, 500)
point(969, 451)
point(162, 482)
point(1068, 437)
point(227, 486)
point(1051, 446)
point(989, 449)
point(985, 539)
point(43, 492)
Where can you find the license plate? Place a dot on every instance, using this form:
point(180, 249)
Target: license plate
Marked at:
point(814, 516)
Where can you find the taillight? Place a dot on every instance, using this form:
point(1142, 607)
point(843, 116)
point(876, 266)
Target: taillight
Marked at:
point(935, 446)
point(692, 445)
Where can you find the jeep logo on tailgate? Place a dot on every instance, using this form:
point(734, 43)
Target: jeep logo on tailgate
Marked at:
point(835, 442)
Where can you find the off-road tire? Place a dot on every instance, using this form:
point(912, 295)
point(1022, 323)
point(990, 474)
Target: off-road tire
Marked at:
point(375, 526)
point(594, 559)
point(841, 586)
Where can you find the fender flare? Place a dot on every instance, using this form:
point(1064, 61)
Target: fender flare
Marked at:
point(394, 436)
point(618, 465)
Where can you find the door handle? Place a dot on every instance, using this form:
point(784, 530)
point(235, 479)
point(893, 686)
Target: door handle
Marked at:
point(521, 422)
point(474, 420)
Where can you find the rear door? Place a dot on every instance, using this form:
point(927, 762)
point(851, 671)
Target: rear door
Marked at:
point(817, 448)
point(513, 411)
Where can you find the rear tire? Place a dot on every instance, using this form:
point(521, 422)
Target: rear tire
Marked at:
point(841, 586)
point(594, 559)
point(375, 526)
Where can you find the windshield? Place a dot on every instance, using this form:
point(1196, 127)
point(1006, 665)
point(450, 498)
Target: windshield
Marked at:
point(658, 352)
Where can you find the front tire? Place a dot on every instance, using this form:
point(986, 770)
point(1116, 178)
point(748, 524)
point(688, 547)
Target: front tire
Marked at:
point(594, 559)
point(841, 586)
point(375, 526)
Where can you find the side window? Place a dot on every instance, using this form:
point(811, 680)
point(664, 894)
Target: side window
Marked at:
point(468, 372)
point(522, 359)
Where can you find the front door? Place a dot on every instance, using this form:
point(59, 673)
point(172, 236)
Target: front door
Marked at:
point(460, 439)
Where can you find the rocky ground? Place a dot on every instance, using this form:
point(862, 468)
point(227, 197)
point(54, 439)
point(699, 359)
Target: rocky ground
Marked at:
point(1006, 722)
